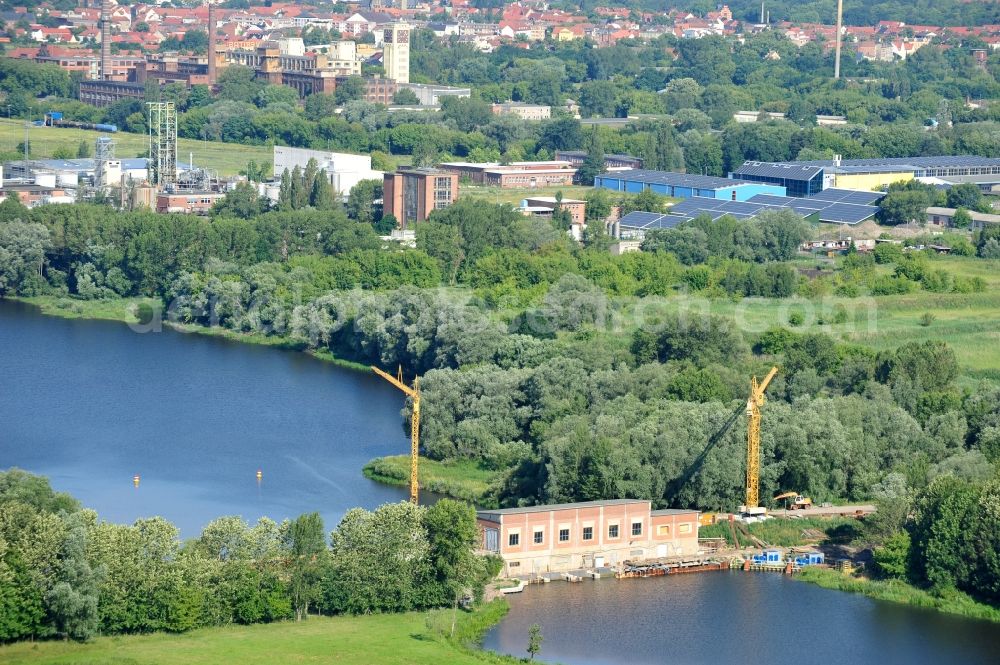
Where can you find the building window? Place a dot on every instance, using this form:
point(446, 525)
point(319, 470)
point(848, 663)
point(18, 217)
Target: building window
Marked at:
point(514, 539)
point(663, 530)
point(684, 528)
point(563, 535)
point(636, 528)
point(539, 537)
point(588, 533)
point(613, 531)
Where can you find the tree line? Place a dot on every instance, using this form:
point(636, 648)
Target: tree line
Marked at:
point(293, 254)
point(66, 573)
point(886, 104)
point(942, 537)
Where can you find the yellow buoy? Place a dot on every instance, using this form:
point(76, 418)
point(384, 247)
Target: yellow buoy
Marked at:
point(260, 475)
point(135, 480)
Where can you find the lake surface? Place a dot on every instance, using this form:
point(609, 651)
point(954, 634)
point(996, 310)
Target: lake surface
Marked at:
point(733, 617)
point(90, 404)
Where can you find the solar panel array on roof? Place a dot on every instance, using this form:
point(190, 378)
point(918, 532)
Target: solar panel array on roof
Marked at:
point(849, 196)
point(651, 220)
point(793, 170)
point(837, 212)
point(671, 179)
point(697, 206)
point(847, 213)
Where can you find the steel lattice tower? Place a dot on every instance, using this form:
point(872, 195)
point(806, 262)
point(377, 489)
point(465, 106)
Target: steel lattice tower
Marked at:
point(162, 143)
point(104, 152)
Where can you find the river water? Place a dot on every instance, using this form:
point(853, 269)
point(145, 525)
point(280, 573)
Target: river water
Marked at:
point(90, 404)
point(733, 617)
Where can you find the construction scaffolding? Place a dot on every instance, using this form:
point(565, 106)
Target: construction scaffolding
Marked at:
point(162, 143)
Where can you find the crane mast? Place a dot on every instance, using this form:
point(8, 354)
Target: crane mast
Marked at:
point(754, 402)
point(414, 394)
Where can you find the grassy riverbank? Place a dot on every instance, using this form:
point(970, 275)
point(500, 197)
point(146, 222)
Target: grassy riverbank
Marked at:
point(414, 638)
point(788, 532)
point(125, 310)
point(458, 479)
point(897, 591)
point(138, 311)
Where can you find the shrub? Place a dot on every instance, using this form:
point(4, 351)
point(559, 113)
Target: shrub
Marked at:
point(926, 319)
point(884, 285)
point(796, 319)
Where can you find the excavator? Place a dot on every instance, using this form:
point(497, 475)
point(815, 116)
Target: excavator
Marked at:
point(796, 502)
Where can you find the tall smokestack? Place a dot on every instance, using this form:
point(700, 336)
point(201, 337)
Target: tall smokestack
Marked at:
point(211, 44)
point(840, 23)
point(106, 40)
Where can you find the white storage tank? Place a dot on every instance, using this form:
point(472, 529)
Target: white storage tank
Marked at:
point(45, 179)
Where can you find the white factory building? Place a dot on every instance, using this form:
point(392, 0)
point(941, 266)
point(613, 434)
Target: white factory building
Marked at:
point(344, 170)
point(69, 172)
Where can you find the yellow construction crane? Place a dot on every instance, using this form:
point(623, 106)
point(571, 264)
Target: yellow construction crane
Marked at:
point(754, 402)
point(414, 394)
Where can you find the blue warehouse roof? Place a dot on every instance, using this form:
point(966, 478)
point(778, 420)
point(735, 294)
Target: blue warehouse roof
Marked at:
point(671, 179)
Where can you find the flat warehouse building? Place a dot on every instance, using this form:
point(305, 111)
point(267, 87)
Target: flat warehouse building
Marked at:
point(515, 174)
point(683, 185)
point(808, 178)
point(344, 170)
point(591, 534)
point(797, 179)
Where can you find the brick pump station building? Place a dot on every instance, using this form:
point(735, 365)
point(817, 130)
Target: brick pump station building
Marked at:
point(591, 534)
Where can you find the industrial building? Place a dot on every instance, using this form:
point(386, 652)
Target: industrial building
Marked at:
point(945, 217)
point(834, 206)
point(577, 208)
point(396, 52)
point(344, 170)
point(798, 179)
point(545, 206)
point(286, 62)
point(515, 174)
point(523, 111)
point(431, 94)
point(807, 178)
point(188, 203)
point(105, 93)
point(684, 185)
point(635, 225)
point(611, 162)
point(411, 194)
point(591, 534)
point(167, 68)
